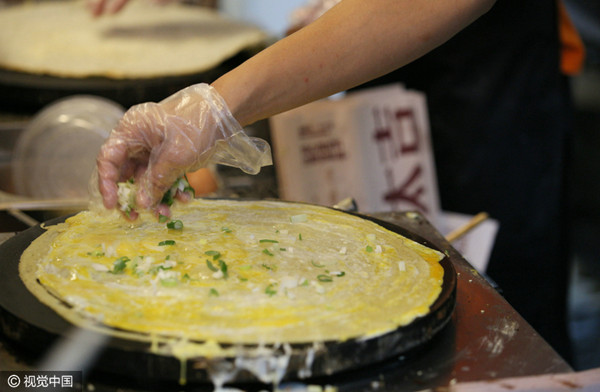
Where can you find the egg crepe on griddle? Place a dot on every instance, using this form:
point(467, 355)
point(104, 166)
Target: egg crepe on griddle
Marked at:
point(233, 271)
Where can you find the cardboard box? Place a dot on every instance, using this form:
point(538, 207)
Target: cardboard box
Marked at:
point(373, 145)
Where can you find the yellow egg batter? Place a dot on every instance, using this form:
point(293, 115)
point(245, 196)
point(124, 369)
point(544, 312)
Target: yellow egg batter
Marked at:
point(233, 272)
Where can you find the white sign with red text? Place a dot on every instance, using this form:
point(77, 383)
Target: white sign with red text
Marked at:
point(373, 145)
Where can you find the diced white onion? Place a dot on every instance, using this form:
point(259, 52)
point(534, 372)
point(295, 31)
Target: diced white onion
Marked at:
point(99, 267)
point(402, 266)
point(298, 218)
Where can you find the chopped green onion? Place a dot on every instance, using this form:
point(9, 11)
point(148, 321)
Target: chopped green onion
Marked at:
point(269, 267)
point(166, 242)
point(185, 183)
point(300, 236)
point(270, 290)
point(213, 293)
point(226, 230)
point(369, 249)
point(223, 268)
point(267, 252)
point(269, 241)
point(162, 218)
point(211, 266)
point(175, 225)
point(324, 278)
point(317, 265)
point(171, 282)
point(245, 267)
point(168, 198)
point(119, 265)
point(95, 254)
point(242, 279)
point(215, 254)
point(340, 273)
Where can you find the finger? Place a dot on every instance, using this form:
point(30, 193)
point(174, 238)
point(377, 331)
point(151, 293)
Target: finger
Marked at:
point(163, 210)
point(130, 215)
point(112, 157)
point(96, 7)
point(183, 197)
point(167, 163)
point(155, 182)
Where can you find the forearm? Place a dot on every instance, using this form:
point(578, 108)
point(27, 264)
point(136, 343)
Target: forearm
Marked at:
point(354, 42)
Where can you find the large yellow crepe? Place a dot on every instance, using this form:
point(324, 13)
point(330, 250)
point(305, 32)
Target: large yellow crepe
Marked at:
point(145, 40)
point(233, 272)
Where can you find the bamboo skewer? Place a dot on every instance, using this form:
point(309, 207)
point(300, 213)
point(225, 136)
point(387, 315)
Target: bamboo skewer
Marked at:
point(461, 231)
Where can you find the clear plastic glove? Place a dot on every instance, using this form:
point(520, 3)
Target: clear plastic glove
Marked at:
point(156, 143)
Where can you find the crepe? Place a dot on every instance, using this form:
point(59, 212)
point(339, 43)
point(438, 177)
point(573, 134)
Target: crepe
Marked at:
point(145, 40)
point(249, 272)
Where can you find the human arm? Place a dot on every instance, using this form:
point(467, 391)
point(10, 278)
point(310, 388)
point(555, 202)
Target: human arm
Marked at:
point(354, 42)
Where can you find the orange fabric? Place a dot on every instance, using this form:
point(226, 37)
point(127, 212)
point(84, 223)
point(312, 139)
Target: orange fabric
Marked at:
point(572, 48)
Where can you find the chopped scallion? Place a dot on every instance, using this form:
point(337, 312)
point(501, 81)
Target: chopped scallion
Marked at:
point(213, 293)
point(270, 290)
point(211, 266)
point(267, 252)
point(215, 254)
point(166, 242)
point(324, 278)
point(269, 241)
point(369, 249)
point(95, 254)
point(223, 268)
point(175, 225)
point(171, 282)
point(317, 265)
point(119, 265)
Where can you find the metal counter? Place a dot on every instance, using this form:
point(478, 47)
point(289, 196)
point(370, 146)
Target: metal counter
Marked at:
point(486, 339)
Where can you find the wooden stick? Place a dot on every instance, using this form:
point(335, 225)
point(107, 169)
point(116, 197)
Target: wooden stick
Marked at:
point(470, 225)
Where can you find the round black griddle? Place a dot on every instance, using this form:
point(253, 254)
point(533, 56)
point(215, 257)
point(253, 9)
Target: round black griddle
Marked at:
point(33, 327)
point(27, 92)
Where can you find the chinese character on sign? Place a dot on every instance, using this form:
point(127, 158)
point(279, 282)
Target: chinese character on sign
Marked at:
point(397, 134)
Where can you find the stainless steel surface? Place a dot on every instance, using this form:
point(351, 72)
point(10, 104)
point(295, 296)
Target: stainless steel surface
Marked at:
point(485, 340)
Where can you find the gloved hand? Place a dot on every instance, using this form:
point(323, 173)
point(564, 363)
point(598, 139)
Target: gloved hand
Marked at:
point(156, 143)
